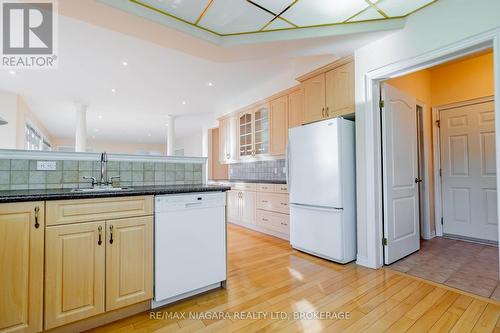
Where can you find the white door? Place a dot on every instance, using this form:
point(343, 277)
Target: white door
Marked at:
point(467, 136)
point(400, 174)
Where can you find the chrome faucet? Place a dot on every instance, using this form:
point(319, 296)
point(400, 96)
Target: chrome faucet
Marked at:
point(102, 182)
point(104, 161)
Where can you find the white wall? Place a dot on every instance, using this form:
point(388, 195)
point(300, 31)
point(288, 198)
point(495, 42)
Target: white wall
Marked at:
point(441, 24)
point(192, 144)
point(8, 111)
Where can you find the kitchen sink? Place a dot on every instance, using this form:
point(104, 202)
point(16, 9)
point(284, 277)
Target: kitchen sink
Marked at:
point(101, 189)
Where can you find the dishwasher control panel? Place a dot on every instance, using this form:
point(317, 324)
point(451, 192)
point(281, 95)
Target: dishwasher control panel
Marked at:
point(169, 202)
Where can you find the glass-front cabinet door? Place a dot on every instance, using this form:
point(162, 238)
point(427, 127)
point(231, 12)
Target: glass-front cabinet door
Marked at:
point(245, 134)
point(261, 145)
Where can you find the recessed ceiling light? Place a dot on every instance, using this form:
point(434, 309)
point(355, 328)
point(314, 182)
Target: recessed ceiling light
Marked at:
point(166, 125)
point(113, 90)
point(93, 136)
point(12, 72)
point(99, 116)
point(124, 63)
point(210, 84)
point(183, 102)
point(149, 134)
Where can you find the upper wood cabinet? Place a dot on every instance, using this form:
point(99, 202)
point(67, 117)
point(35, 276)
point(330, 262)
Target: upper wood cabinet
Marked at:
point(75, 272)
point(129, 261)
point(279, 125)
point(253, 132)
point(21, 275)
point(227, 139)
point(330, 93)
point(340, 90)
point(216, 170)
point(314, 98)
point(296, 108)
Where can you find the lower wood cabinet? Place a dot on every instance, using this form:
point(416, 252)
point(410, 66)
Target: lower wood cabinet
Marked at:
point(97, 266)
point(21, 274)
point(75, 272)
point(129, 261)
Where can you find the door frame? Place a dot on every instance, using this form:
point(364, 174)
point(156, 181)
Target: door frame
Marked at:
point(372, 126)
point(436, 146)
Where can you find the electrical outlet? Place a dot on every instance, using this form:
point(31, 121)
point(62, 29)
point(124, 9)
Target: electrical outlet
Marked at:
point(46, 165)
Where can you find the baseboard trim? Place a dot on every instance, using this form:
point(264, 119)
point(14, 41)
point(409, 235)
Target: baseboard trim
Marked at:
point(157, 304)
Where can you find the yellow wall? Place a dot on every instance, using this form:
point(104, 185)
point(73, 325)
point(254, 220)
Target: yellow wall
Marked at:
point(464, 80)
point(457, 81)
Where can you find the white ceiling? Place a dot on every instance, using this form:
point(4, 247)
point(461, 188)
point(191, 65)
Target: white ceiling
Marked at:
point(158, 79)
point(220, 21)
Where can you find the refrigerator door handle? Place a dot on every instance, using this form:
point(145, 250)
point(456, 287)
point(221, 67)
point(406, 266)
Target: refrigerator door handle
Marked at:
point(287, 167)
point(316, 207)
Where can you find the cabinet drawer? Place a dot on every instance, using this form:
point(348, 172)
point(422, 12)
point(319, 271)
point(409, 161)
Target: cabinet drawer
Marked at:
point(281, 188)
point(273, 202)
point(86, 210)
point(265, 188)
point(273, 221)
point(244, 186)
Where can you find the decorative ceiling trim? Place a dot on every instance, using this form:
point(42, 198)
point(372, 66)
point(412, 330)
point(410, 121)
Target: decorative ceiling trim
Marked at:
point(209, 3)
point(374, 6)
point(348, 21)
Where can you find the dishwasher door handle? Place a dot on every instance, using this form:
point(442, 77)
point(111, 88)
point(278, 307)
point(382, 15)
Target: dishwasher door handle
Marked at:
point(193, 204)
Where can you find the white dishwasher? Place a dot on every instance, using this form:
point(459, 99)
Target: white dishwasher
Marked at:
point(190, 245)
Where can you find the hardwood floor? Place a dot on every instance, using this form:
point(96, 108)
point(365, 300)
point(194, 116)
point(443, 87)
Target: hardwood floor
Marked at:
point(267, 277)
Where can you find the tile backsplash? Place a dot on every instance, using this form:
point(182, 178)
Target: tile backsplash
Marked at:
point(261, 170)
point(20, 174)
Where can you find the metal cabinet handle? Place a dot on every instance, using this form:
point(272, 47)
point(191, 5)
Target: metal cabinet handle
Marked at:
point(327, 113)
point(111, 234)
point(264, 219)
point(37, 211)
point(283, 204)
point(418, 180)
point(323, 112)
point(99, 229)
point(283, 223)
point(264, 201)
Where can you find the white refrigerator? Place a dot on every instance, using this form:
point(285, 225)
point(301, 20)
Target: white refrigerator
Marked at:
point(321, 181)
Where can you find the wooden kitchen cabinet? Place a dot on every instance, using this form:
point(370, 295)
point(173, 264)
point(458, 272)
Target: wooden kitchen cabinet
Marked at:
point(227, 140)
point(21, 277)
point(241, 206)
point(253, 132)
point(75, 268)
point(216, 170)
point(296, 108)
point(279, 125)
point(340, 90)
point(129, 261)
point(233, 205)
point(314, 98)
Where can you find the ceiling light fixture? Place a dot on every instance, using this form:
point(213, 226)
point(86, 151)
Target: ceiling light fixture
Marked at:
point(113, 90)
point(99, 116)
point(11, 72)
point(124, 63)
point(183, 102)
point(210, 84)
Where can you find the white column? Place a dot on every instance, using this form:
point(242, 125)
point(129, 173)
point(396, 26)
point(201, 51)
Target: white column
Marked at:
point(81, 128)
point(170, 135)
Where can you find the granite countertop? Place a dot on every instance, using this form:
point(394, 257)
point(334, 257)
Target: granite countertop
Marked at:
point(252, 181)
point(36, 195)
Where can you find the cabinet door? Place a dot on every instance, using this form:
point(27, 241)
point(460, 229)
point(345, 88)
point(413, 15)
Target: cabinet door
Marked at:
point(296, 108)
point(129, 261)
point(314, 98)
point(245, 134)
point(216, 170)
point(223, 139)
point(74, 272)
point(247, 207)
point(340, 90)
point(233, 202)
point(261, 131)
point(279, 125)
point(21, 274)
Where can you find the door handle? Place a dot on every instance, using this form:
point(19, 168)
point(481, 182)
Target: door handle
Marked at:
point(37, 211)
point(111, 234)
point(327, 114)
point(323, 112)
point(99, 230)
point(418, 180)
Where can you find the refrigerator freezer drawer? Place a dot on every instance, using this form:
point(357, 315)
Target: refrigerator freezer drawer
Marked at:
point(321, 232)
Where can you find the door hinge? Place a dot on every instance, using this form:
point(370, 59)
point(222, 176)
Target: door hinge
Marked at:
point(384, 241)
point(442, 221)
point(381, 104)
point(438, 123)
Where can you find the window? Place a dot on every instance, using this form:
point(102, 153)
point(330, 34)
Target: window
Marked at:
point(34, 140)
